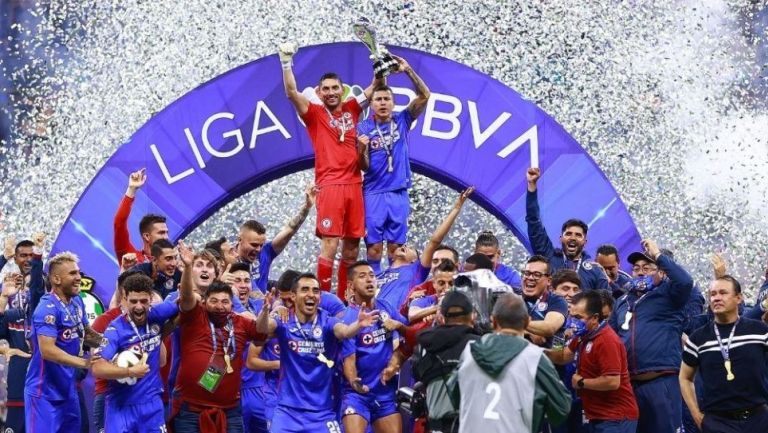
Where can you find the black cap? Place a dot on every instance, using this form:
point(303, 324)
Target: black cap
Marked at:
point(455, 300)
point(637, 255)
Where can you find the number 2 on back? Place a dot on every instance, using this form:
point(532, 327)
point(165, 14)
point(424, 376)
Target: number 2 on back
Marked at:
point(490, 411)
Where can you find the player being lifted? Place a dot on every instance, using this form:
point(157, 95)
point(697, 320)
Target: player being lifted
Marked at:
point(331, 128)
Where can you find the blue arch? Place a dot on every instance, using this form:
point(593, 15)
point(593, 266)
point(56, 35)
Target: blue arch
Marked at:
point(238, 131)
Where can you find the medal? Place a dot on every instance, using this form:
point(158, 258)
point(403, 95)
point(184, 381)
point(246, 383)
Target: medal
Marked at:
point(627, 318)
point(390, 166)
point(726, 351)
point(321, 357)
point(729, 376)
point(228, 362)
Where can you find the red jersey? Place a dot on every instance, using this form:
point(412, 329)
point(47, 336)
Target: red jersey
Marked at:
point(100, 325)
point(605, 355)
point(122, 240)
point(335, 161)
point(196, 350)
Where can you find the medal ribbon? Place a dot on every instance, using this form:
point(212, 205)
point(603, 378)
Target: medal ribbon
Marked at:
point(342, 127)
point(231, 344)
point(725, 350)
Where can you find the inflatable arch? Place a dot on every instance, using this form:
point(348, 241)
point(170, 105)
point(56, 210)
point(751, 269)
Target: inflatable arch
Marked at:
point(239, 131)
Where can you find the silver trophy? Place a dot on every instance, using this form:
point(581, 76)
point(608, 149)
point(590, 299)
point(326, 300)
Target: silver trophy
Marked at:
point(383, 62)
point(483, 288)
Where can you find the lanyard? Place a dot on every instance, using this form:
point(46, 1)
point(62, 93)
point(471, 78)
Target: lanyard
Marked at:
point(340, 122)
point(80, 330)
point(535, 308)
point(725, 350)
point(136, 331)
point(387, 144)
point(633, 305)
point(578, 263)
point(301, 329)
point(230, 340)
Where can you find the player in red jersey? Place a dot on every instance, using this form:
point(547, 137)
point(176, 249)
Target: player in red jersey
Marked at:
point(331, 126)
point(152, 227)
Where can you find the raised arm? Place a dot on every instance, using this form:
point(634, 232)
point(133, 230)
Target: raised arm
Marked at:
point(264, 323)
point(681, 283)
point(364, 319)
point(375, 82)
point(122, 240)
point(9, 250)
point(286, 52)
point(292, 226)
point(417, 106)
point(187, 300)
point(444, 227)
point(537, 234)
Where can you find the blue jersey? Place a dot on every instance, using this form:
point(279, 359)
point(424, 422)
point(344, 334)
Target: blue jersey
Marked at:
point(394, 283)
point(163, 284)
point(388, 138)
point(66, 323)
point(305, 381)
point(373, 347)
point(122, 335)
point(547, 302)
point(331, 303)
point(509, 276)
point(250, 377)
point(260, 268)
point(423, 302)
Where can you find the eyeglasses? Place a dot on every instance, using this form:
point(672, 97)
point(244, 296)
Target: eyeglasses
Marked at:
point(534, 275)
point(646, 269)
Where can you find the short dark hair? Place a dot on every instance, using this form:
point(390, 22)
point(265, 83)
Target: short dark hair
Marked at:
point(22, 244)
point(125, 275)
point(145, 225)
point(481, 261)
point(382, 88)
point(295, 285)
point(351, 268)
point(448, 248)
point(253, 225)
point(594, 302)
point(239, 266)
point(566, 276)
point(607, 298)
point(286, 280)
point(538, 258)
point(138, 283)
point(216, 245)
point(574, 222)
point(608, 250)
point(734, 282)
point(159, 245)
point(219, 287)
point(329, 76)
point(510, 312)
point(486, 238)
point(446, 266)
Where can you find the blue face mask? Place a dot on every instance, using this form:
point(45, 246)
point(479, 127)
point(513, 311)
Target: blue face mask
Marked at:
point(578, 326)
point(642, 284)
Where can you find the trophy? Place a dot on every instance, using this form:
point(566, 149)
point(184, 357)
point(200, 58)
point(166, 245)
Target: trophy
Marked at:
point(383, 62)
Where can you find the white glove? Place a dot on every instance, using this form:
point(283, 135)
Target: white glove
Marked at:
point(286, 50)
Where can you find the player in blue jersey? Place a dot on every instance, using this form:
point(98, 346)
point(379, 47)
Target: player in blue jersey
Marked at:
point(309, 342)
point(254, 250)
point(59, 328)
point(408, 269)
point(135, 406)
point(365, 399)
point(383, 154)
point(425, 308)
point(488, 244)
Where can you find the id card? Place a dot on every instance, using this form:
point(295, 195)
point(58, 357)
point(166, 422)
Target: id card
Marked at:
point(211, 378)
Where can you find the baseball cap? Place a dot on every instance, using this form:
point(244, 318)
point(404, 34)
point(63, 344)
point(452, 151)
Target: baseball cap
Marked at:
point(457, 301)
point(637, 255)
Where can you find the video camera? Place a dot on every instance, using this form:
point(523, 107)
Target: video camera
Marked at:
point(412, 401)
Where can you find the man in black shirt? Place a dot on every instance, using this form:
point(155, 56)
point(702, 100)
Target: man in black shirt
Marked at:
point(730, 354)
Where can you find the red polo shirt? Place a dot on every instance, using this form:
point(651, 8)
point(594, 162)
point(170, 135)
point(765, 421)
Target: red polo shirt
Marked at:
point(196, 349)
point(605, 355)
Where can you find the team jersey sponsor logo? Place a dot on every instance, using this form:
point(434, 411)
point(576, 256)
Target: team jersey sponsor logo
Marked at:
point(375, 337)
point(587, 265)
point(50, 319)
point(317, 332)
point(169, 284)
point(304, 346)
point(69, 334)
point(389, 139)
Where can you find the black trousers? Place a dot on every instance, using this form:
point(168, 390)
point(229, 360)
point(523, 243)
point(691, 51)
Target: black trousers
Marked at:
point(757, 422)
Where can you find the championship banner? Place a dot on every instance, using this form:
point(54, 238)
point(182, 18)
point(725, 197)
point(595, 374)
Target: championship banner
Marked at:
point(239, 131)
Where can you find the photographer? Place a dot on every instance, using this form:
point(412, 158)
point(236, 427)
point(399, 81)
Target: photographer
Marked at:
point(440, 349)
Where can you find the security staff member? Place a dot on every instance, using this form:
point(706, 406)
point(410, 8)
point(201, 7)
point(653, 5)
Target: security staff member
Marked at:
point(729, 353)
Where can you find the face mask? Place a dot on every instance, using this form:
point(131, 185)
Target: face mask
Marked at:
point(642, 284)
point(219, 318)
point(578, 326)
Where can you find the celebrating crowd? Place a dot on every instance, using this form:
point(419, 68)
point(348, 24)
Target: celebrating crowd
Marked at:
point(208, 340)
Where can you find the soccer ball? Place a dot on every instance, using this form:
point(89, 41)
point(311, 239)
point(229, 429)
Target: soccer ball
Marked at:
point(125, 359)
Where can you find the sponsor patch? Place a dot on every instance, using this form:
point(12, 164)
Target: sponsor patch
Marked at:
point(50, 319)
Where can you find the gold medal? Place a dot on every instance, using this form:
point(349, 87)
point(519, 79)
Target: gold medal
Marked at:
point(729, 373)
point(228, 361)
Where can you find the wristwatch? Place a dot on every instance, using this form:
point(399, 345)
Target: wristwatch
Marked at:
point(580, 383)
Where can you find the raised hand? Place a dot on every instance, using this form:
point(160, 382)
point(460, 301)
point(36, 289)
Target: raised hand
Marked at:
point(650, 247)
point(286, 51)
point(137, 178)
point(718, 265)
point(129, 260)
point(228, 277)
point(367, 318)
point(9, 248)
point(532, 176)
point(39, 239)
point(402, 64)
point(186, 253)
point(464, 196)
point(11, 284)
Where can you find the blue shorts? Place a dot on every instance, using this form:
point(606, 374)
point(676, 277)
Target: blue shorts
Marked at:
point(386, 217)
point(367, 406)
point(290, 420)
point(148, 416)
point(258, 404)
point(47, 416)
